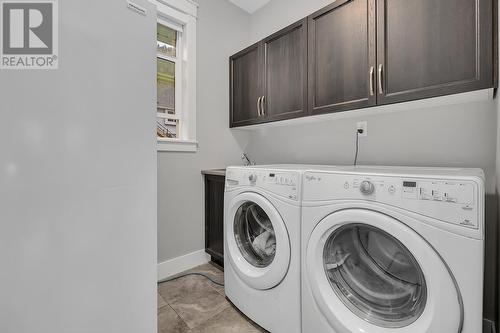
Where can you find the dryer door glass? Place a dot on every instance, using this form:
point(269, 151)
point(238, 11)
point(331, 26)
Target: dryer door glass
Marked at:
point(375, 275)
point(254, 234)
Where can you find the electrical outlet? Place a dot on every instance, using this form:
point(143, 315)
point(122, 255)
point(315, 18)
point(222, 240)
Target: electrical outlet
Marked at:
point(362, 125)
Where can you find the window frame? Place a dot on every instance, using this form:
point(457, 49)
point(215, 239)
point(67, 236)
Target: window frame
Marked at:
point(181, 13)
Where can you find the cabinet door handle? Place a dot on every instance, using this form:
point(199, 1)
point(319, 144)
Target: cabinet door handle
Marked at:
point(263, 108)
point(258, 106)
point(372, 72)
point(380, 86)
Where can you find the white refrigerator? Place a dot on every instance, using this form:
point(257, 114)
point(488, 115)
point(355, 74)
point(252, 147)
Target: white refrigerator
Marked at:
point(78, 178)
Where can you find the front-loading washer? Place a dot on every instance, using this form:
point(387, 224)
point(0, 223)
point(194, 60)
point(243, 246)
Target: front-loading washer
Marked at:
point(388, 249)
point(262, 212)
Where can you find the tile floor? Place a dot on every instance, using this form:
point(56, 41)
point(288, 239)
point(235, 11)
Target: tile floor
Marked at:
point(193, 304)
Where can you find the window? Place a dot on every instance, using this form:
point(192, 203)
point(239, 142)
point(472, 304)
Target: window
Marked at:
point(176, 75)
point(168, 72)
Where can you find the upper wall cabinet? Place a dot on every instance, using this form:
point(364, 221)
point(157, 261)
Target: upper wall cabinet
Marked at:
point(360, 53)
point(245, 89)
point(285, 73)
point(428, 48)
point(342, 56)
point(268, 81)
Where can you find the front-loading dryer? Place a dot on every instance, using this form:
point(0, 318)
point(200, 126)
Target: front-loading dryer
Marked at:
point(262, 213)
point(392, 250)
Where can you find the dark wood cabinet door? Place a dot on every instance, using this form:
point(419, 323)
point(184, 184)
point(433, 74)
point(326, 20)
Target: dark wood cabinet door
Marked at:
point(214, 217)
point(285, 73)
point(429, 48)
point(245, 86)
point(342, 56)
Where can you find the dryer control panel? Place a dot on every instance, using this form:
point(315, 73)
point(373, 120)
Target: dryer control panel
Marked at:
point(447, 191)
point(456, 201)
point(282, 183)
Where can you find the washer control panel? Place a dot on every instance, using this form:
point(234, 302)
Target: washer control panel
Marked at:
point(454, 201)
point(282, 183)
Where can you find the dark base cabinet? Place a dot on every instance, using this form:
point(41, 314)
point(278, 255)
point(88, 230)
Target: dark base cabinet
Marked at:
point(214, 217)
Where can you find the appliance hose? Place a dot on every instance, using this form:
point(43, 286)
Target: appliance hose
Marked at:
point(187, 274)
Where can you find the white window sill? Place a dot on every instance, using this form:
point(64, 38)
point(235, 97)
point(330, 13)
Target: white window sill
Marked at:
point(176, 145)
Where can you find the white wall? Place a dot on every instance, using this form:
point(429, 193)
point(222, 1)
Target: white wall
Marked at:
point(455, 135)
point(277, 14)
point(78, 189)
point(222, 30)
point(460, 135)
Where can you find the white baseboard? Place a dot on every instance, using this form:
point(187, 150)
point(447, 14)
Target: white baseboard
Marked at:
point(177, 265)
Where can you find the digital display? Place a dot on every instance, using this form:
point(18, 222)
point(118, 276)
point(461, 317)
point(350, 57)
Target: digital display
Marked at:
point(271, 175)
point(409, 184)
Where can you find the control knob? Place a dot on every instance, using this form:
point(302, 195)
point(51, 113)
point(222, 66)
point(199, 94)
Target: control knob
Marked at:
point(366, 187)
point(252, 178)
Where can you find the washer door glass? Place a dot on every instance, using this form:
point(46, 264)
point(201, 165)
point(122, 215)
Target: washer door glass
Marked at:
point(375, 275)
point(254, 234)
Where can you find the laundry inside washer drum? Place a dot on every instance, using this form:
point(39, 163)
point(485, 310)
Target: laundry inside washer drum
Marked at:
point(255, 234)
point(375, 275)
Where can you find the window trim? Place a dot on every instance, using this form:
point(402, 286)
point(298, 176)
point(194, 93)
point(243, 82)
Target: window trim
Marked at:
point(183, 13)
point(176, 145)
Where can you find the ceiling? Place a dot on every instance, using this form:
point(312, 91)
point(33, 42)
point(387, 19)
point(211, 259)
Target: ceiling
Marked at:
point(250, 6)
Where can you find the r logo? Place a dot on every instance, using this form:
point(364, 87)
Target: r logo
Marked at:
point(29, 33)
point(27, 28)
